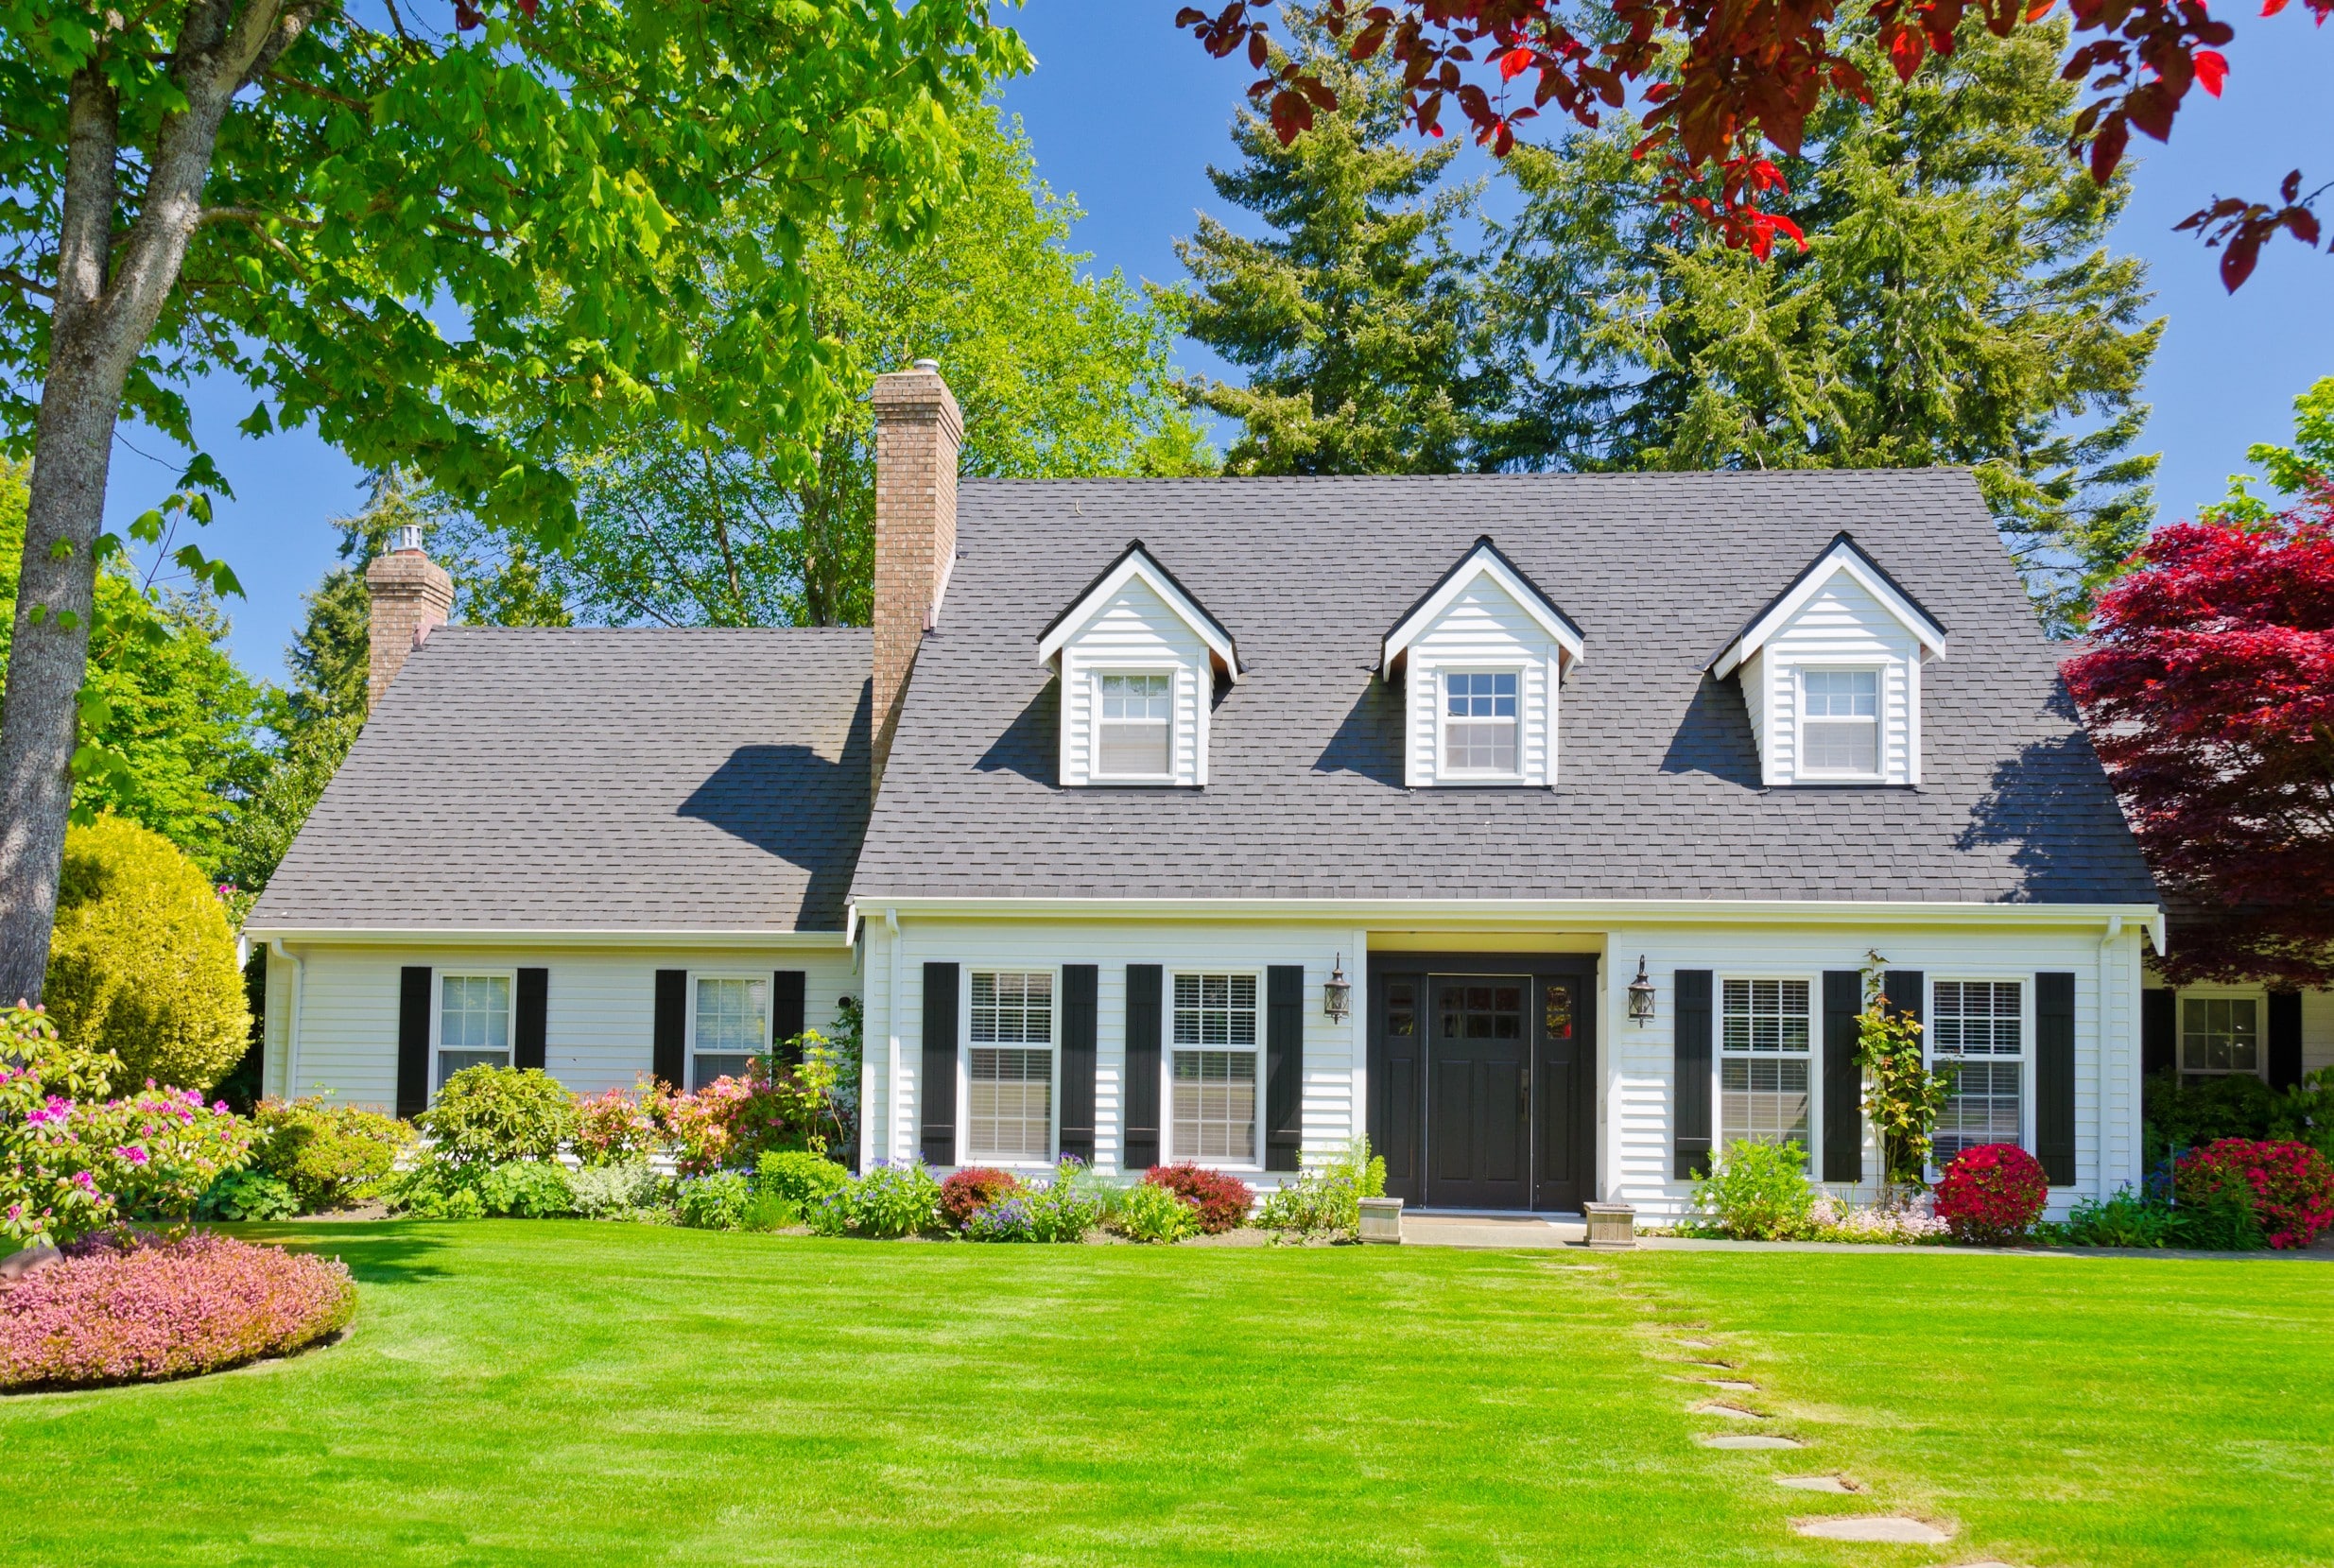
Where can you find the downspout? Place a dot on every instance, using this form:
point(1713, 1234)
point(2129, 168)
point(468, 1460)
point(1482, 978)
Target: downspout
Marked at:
point(291, 1025)
point(2099, 1094)
point(891, 1028)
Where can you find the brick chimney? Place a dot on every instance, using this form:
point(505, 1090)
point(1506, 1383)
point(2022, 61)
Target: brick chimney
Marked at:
point(918, 434)
point(411, 597)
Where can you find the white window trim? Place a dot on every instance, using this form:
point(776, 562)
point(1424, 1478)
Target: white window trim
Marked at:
point(1813, 1056)
point(688, 1060)
point(2025, 1059)
point(1445, 773)
point(1166, 1069)
point(437, 978)
point(965, 1156)
point(1800, 768)
point(1095, 673)
point(2258, 995)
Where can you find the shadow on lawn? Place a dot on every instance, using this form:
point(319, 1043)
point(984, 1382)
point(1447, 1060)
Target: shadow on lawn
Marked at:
point(383, 1253)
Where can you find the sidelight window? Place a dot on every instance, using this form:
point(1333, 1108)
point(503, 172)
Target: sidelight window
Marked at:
point(1764, 1077)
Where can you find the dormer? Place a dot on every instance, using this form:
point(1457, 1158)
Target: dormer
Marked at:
point(1139, 657)
point(1831, 674)
point(1481, 661)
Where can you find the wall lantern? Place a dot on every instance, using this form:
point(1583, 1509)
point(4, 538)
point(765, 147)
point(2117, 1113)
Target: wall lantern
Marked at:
point(1336, 994)
point(1641, 994)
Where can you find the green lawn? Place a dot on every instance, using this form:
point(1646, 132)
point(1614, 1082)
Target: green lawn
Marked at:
point(566, 1392)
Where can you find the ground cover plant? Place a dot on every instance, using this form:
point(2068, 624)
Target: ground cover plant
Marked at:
point(956, 1405)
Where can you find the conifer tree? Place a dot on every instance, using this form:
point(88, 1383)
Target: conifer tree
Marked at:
point(1357, 317)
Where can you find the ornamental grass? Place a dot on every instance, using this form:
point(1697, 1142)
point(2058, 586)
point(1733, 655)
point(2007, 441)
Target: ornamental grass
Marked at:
point(138, 1308)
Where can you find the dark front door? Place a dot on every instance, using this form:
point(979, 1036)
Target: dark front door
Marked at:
point(1478, 1093)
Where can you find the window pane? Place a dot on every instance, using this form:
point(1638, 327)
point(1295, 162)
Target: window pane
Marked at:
point(451, 1063)
point(474, 1013)
point(1132, 751)
point(733, 1015)
point(1479, 696)
point(1765, 1015)
point(1983, 1108)
point(1842, 693)
point(1012, 1009)
point(2220, 1034)
point(1215, 1009)
point(704, 1069)
point(1834, 747)
point(1011, 1111)
point(1976, 1018)
point(1215, 1104)
point(1763, 1099)
point(1479, 730)
point(1479, 747)
point(1137, 696)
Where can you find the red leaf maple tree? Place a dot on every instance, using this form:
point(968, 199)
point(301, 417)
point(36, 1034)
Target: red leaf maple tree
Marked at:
point(1752, 71)
point(2209, 695)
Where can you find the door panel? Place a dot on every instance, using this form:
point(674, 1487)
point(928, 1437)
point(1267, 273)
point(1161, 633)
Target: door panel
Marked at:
point(1397, 1064)
point(1566, 1113)
point(1479, 1094)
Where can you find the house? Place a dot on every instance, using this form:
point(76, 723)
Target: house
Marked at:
point(1542, 828)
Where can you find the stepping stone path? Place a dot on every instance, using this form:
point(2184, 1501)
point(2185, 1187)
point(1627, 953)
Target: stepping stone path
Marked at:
point(1732, 1386)
point(1733, 1412)
point(1747, 1440)
point(1815, 1483)
point(1893, 1527)
point(1714, 1366)
point(1697, 1344)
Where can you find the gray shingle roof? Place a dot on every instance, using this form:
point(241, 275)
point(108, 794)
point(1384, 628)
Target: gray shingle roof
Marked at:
point(596, 780)
point(1659, 795)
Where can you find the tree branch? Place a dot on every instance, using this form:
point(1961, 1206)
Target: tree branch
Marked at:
point(9, 275)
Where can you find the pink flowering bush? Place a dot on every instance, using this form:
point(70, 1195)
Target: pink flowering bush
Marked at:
point(2290, 1185)
point(1993, 1193)
point(613, 1128)
point(74, 1159)
point(135, 1308)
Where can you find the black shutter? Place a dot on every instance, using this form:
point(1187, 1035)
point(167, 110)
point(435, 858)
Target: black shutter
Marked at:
point(1842, 1135)
point(1906, 990)
point(1080, 987)
point(2054, 1078)
point(786, 1015)
point(1139, 1143)
point(2159, 1031)
point(669, 1060)
point(532, 1022)
point(936, 1085)
point(412, 1043)
point(2285, 1038)
point(1284, 1052)
point(1691, 987)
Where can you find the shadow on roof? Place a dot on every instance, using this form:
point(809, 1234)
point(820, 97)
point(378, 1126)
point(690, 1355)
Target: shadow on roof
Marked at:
point(789, 801)
point(1028, 746)
point(2045, 798)
point(1369, 739)
point(1714, 736)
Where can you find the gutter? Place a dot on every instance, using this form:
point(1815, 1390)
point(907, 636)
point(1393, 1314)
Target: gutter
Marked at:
point(379, 936)
point(291, 1025)
point(1464, 914)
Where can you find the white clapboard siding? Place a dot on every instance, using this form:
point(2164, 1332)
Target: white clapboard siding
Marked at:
point(1843, 626)
point(2317, 1030)
point(1483, 629)
point(1135, 632)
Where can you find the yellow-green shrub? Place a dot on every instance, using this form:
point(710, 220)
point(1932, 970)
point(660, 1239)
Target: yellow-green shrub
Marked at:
point(143, 963)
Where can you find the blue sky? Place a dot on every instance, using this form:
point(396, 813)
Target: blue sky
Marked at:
point(1126, 113)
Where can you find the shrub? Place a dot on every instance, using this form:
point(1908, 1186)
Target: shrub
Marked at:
point(1008, 1220)
point(495, 1115)
point(527, 1189)
point(767, 1211)
point(2126, 1219)
point(143, 962)
point(241, 1196)
point(971, 1189)
point(125, 1309)
point(1221, 1202)
point(1067, 1207)
point(1759, 1191)
point(330, 1155)
point(1888, 1224)
point(2181, 1116)
point(1153, 1212)
point(1992, 1194)
point(799, 1177)
point(1327, 1198)
point(613, 1128)
point(615, 1191)
point(716, 1200)
point(437, 1188)
point(889, 1202)
point(2288, 1185)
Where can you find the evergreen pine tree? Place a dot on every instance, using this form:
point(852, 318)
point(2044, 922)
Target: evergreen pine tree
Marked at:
point(1357, 317)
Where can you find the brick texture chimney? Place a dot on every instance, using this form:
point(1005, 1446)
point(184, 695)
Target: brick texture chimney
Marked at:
point(411, 597)
point(919, 432)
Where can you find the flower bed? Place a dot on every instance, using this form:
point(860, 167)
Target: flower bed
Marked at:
point(2288, 1186)
point(135, 1309)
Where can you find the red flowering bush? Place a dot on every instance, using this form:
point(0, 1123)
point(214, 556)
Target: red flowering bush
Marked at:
point(613, 1128)
point(135, 1308)
point(2290, 1185)
point(1993, 1193)
point(1222, 1201)
point(973, 1189)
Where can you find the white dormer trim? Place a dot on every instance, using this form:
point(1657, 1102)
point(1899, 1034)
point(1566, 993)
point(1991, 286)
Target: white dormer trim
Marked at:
point(1842, 555)
point(1137, 565)
point(1483, 561)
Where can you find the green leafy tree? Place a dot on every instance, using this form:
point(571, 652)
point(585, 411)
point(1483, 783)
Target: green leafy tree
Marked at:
point(1059, 373)
point(1956, 304)
point(1357, 316)
point(1903, 1096)
point(2293, 471)
point(469, 250)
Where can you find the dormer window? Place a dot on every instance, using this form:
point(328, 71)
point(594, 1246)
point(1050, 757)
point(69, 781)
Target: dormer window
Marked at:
point(1831, 674)
point(1140, 660)
point(1480, 660)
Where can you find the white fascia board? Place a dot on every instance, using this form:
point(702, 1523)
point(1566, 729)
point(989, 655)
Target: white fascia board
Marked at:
point(1137, 567)
point(1482, 562)
point(470, 935)
point(1840, 558)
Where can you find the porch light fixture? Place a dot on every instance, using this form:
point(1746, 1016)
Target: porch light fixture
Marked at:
point(1336, 994)
point(1641, 994)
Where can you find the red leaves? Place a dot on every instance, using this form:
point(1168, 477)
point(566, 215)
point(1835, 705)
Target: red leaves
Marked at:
point(1906, 51)
point(2212, 69)
point(1515, 64)
point(2244, 227)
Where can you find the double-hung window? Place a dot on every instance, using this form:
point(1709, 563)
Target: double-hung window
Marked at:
point(1979, 1027)
point(1479, 721)
point(2220, 1036)
point(1009, 1074)
point(1136, 726)
point(1839, 730)
point(473, 1023)
point(1216, 1067)
point(730, 1027)
point(1763, 1062)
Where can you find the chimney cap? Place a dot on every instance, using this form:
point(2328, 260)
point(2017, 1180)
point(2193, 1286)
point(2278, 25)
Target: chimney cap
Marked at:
point(409, 538)
point(931, 365)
